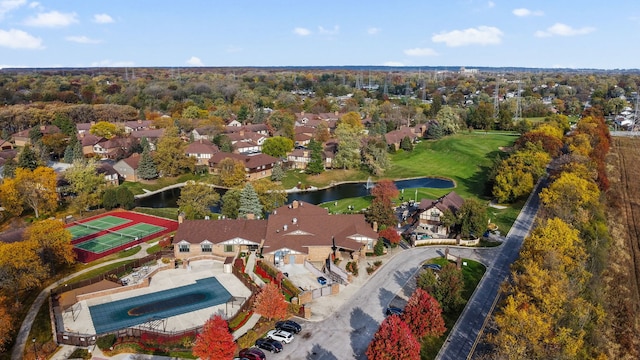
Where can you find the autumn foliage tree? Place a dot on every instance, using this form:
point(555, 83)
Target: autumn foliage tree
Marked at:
point(37, 189)
point(6, 323)
point(393, 341)
point(215, 342)
point(423, 315)
point(53, 241)
point(390, 234)
point(271, 303)
point(381, 209)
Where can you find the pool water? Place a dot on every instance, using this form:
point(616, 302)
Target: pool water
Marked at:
point(162, 304)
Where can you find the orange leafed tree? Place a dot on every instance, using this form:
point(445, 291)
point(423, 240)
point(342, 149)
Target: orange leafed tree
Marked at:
point(6, 324)
point(215, 342)
point(424, 315)
point(393, 341)
point(270, 302)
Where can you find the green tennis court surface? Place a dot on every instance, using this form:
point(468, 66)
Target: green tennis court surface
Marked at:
point(91, 227)
point(114, 239)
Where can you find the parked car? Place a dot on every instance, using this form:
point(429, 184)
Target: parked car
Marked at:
point(392, 310)
point(280, 335)
point(434, 267)
point(240, 358)
point(322, 280)
point(289, 326)
point(269, 344)
point(252, 354)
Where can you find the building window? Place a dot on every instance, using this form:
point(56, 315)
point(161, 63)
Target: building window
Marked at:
point(206, 248)
point(184, 248)
point(228, 248)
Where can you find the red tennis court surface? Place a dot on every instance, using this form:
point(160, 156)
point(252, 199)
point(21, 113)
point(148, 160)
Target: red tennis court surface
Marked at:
point(132, 218)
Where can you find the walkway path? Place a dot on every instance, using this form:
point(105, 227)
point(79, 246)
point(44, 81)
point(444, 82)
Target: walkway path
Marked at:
point(25, 328)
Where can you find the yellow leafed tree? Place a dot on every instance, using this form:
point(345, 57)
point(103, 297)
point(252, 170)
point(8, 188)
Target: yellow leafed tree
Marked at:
point(37, 189)
point(54, 242)
point(10, 197)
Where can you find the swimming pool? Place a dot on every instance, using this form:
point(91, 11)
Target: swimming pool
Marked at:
point(162, 304)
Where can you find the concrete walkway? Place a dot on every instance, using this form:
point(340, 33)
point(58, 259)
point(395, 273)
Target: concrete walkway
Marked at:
point(25, 328)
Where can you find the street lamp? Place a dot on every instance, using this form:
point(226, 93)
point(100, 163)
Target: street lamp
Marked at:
point(35, 351)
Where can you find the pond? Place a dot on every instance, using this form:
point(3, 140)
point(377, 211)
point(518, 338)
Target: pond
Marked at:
point(169, 198)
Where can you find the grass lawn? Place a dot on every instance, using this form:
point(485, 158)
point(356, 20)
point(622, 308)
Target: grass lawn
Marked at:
point(167, 213)
point(464, 158)
point(472, 274)
point(98, 271)
point(41, 331)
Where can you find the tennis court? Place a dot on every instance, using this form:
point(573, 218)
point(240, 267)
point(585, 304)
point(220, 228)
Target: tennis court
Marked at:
point(94, 226)
point(118, 238)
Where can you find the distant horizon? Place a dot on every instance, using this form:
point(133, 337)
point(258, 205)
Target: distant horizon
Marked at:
point(568, 34)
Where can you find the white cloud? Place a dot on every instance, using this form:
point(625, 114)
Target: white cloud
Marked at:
point(102, 19)
point(334, 31)
point(392, 63)
point(522, 12)
point(233, 49)
point(482, 35)
point(9, 5)
point(52, 19)
point(420, 52)
point(491, 4)
point(34, 5)
point(109, 63)
point(82, 40)
point(301, 31)
point(559, 29)
point(18, 39)
point(373, 30)
point(195, 61)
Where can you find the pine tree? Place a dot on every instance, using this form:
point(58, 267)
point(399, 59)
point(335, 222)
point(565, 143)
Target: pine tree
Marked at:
point(144, 143)
point(70, 152)
point(125, 198)
point(315, 165)
point(249, 202)
point(277, 173)
point(28, 159)
point(109, 198)
point(147, 167)
point(405, 144)
point(77, 151)
point(9, 170)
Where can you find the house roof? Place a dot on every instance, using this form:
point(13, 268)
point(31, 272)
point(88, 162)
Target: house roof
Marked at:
point(149, 134)
point(396, 136)
point(219, 231)
point(84, 126)
point(104, 168)
point(201, 146)
point(138, 124)
point(250, 162)
point(44, 129)
point(452, 201)
point(90, 140)
point(132, 161)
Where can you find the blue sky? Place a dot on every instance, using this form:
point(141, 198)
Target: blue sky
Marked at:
point(526, 33)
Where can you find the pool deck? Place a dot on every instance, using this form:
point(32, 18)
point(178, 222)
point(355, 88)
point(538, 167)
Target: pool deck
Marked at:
point(164, 280)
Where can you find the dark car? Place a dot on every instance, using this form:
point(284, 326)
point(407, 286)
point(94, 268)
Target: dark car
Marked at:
point(289, 326)
point(434, 267)
point(269, 344)
point(322, 280)
point(391, 310)
point(252, 354)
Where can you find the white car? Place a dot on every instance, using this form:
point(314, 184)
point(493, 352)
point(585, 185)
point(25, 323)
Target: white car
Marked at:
point(280, 335)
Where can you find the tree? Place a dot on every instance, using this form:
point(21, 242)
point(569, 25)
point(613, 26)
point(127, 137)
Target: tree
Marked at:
point(434, 131)
point(10, 197)
point(109, 198)
point(449, 119)
point(232, 172)
point(104, 129)
point(375, 156)
point(427, 281)
point(271, 195)
point(9, 169)
point(449, 289)
point(378, 248)
point(54, 242)
point(352, 119)
point(147, 167)
point(423, 315)
point(125, 198)
point(569, 196)
point(86, 183)
point(405, 144)
point(381, 209)
point(282, 122)
point(37, 189)
point(277, 174)
point(277, 146)
point(20, 267)
point(349, 144)
point(196, 199)
point(249, 202)
point(385, 191)
point(6, 323)
point(321, 134)
point(316, 164)
point(230, 203)
point(215, 341)
point(56, 143)
point(270, 302)
point(393, 341)
point(473, 218)
point(28, 159)
point(73, 151)
point(390, 234)
point(170, 156)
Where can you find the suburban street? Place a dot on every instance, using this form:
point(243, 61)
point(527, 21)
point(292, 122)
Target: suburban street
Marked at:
point(347, 333)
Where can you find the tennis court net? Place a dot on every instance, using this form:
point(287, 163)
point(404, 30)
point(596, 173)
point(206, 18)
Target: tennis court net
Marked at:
point(132, 237)
point(87, 226)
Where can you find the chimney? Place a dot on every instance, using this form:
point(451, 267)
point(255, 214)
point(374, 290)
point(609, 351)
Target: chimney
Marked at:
point(305, 153)
point(375, 226)
point(181, 218)
point(295, 204)
point(294, 221)
point(251, 216)
point(43, 128)
point(302, 113)
point(139, 121)
point(284, 227)
point(242, 132)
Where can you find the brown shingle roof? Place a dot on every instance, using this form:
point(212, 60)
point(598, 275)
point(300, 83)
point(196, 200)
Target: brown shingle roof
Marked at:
point(201, 147)
point(451, 201)
point(218, 231)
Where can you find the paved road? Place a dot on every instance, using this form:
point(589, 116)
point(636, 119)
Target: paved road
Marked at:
point(463, 337)
point(347, 333)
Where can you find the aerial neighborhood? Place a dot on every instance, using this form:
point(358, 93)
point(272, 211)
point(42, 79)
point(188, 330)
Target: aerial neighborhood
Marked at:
point(240, 214)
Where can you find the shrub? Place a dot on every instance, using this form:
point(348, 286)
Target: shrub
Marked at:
point(105, 342)
point(247, 340)
point(352, 267)
point(377, 263)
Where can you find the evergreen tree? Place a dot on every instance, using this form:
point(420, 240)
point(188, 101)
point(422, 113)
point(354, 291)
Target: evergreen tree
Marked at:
point(405, 144)
point(230, 203)
point(109, 198)
point(315, 165)
point(9, 170)
point(249, 202)
point(147, 167)
point(125, 198)
point(28, 159)
point(277, 173)
point(144, 143)
point(77, 151)
point(35, 134)
point(70, 152)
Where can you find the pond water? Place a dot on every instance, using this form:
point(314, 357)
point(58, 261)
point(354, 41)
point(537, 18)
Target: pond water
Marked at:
point(169, 198)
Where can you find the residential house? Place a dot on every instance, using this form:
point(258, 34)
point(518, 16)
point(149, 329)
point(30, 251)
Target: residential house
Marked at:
point(22, 138)
point(88, 142)
point(302, 139)
point(128, 167)
point(111, 176)
point(256, 166)
point(137, 125)
point(254, 141)
point(299, 158)
point(246, 147)
point(205, 132)
point(84, 128)
point(202, 150)
point(429, 213)
point(115, 148)
point(394, 138)
point(152, 136)
point(5, 145)
point(293, 233)
point(224, 237)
